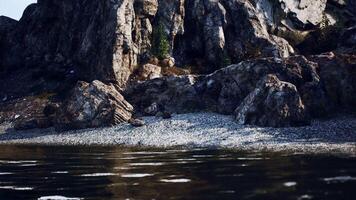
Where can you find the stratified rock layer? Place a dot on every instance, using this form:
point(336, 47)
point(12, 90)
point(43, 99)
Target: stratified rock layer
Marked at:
point(93, 105)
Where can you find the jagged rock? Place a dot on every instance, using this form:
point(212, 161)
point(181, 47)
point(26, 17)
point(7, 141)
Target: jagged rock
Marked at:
point(6, 26)
point(93, 105)
point(105, 46)
point(27, 113)
point(149, 71)
point(273, 103)
point(171, 94)
point(218, 31)
point(57, 40)
point(146, 7)
point(304, 11)
point(225, 89)
point(171, 15)
point(338, 75)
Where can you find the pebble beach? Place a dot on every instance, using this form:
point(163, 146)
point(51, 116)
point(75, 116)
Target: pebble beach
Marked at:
point(202, 130)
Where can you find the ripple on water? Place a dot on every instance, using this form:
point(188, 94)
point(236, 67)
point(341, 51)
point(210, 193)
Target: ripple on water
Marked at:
point(60, 172)
point(147, 164)
point(135, 175)
point(58, 198)
point(178, 180)
point(202, 156)
point(5, 173)
point(340, 179)
point(16, 188)
point(256, 158)
point(18, 162)
point(98, 174)
point(289, 184)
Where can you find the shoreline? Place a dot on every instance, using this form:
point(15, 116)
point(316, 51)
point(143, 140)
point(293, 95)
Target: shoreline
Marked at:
point(201, 130)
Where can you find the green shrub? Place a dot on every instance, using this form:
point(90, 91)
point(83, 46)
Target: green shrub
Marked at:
point(160, 43)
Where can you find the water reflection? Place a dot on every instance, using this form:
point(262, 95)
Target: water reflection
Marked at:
point(33, 172)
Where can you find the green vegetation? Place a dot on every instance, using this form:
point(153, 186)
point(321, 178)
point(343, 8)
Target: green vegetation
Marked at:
point(160, 43)
point(226, 60)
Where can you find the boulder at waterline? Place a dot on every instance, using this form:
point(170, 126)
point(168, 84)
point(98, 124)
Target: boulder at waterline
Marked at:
point(273, 103)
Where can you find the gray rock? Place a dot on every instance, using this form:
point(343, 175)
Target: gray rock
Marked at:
point(93, 105)
point(273, 103)
point(105, 46)
point(137, 122)
point(174, 94)
point(152, 109)
point(149, 71)
point(217, 31)
point(338, 75)
point(224, 90)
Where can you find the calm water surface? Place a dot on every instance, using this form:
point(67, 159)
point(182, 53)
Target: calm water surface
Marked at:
point(33, 172)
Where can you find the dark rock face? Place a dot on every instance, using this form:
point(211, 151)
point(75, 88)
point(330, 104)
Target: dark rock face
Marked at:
point(244, 50)
point(93, 105)
point(273, 103)
point(170, 94)
point(96, 40)
point(347, 42)
point(338, 75)
point(216, 31)
point(225, 90)
point(105, 40)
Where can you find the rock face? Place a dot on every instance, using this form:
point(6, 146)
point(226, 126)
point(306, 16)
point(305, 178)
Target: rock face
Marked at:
point(225, 90)
point(105, 40)
point(273, 103)
point(96, 40)
point(169, 94)
point(217, 32)
point(93, 105)
point(338, 75)
point(215, 55)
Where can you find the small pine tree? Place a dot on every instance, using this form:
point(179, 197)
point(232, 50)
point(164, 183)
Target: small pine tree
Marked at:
point(226, 60)
point(160, 44)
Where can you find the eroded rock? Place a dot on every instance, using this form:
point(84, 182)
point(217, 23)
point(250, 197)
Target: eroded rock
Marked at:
point(224, 90)
point(91, 105)
point(338, 75)
point(273, 103)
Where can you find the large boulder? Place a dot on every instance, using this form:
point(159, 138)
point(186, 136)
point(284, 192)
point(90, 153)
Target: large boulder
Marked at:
point(149, 71)
point(91, 105)
point(273, 103)
point(338, 75)
point(225, 89)
point(173, 94)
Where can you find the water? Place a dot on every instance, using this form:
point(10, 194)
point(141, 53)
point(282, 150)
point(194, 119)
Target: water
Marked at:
point(127, 173)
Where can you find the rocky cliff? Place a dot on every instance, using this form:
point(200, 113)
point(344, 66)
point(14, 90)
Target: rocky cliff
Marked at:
point(59, 42)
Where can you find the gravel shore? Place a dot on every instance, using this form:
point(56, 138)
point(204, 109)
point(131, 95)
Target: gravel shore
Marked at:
point(207, 130)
